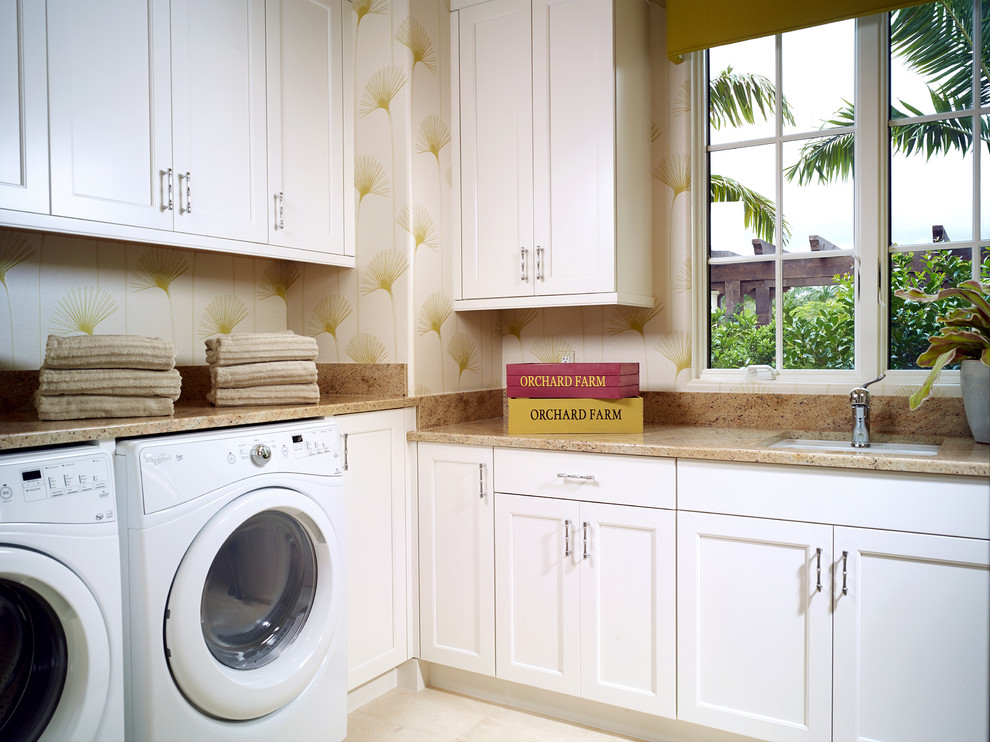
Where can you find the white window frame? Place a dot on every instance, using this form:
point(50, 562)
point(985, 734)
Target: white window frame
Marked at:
point(871, 234)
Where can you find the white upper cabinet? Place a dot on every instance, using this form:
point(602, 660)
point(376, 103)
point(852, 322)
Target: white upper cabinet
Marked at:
point(549, 139)
point(109, 101)
point(308, 176)
point(157, 123)
point(23, 107)
point(218, 118)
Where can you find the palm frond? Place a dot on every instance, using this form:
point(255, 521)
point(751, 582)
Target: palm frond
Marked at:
point(14, 249)
point(369, 7)
point(414, 36)
point(674, 171)
point(277, 279)
point(416, 220)
point(328, 314)
point(736, 97)
point(82, 309)
point(369, 177)
point(222, 315)
point(435, 311)
point(759, 212)
point(676, 348)
point(461, 349)
point(551, 349)
point(158, 269)
point(366, 348)
point(379, 91)
point(513, 322)
point(434, 135)
point(384, 269)
point(625, 319)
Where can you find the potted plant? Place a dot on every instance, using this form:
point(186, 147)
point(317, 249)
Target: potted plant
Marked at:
point(964, 338)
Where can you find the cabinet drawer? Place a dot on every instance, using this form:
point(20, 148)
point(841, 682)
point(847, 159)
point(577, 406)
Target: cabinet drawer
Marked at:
point(622, 480)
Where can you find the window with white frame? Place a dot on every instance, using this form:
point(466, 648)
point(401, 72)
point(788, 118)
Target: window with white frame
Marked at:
point(841, 166)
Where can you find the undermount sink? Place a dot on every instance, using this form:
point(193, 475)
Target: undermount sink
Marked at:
point(902, 449)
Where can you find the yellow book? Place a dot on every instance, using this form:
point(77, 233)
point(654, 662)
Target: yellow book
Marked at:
point(575, 415)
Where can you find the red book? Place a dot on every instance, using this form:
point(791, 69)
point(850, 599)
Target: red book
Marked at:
point(572, 380)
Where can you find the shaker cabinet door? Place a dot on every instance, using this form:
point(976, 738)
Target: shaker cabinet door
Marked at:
point(109, 104)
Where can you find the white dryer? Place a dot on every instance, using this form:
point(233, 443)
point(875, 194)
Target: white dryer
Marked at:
point(235, 584)
point(61, 648)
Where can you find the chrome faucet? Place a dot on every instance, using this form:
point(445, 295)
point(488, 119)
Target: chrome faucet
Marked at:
point(860, 399)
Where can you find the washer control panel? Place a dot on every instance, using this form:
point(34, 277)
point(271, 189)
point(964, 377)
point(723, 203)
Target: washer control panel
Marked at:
point(174, 469)
point(52, 488)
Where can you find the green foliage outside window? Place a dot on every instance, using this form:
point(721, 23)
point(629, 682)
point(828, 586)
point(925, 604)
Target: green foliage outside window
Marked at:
point(818, 322)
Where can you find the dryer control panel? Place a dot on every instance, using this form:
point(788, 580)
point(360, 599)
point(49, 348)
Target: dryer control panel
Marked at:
point(57, 488)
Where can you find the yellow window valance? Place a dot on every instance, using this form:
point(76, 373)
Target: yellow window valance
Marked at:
point(701, 24)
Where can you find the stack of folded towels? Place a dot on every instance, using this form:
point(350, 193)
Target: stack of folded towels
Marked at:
point(86, 376)
point(262, 369)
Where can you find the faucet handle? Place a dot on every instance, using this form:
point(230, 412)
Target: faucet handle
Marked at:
point(859, 395)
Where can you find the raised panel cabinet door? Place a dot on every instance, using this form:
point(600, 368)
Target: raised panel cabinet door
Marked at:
point(574, 146)
point(305, 125)
point(23, 107)
point(754, 632)
point(628, 607)
point(109, 104)
point(496, 149)
point(377, 548)
point(538, 592)
point(912, 649)
point(457, 557)
point(219, 118)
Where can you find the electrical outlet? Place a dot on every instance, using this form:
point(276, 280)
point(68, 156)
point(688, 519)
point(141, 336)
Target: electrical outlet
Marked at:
point(567, 356)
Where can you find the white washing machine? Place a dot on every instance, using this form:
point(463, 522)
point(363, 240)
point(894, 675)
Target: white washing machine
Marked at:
point(235, 584)
point(61, 648)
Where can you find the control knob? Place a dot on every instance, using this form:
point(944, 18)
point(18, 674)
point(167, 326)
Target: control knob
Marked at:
point(261, 454)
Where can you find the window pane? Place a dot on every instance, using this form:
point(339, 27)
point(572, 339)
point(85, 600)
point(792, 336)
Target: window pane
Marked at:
point(911, 322)
point(742, 79)
point(818, 76)
point(818, 214)
point(737, 335)
point(818, 314)
point(985, 180)
point(742, 199)
point(931, 185)
point(931, 66)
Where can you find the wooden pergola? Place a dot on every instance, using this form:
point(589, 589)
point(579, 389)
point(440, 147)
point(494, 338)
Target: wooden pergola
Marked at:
point(733, 281)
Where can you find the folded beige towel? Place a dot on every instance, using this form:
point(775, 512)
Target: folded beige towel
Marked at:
point(128, 382)
point(109, 351)
point(259, 347)
point(263, 374)
point(79, 406)
point(265, 395)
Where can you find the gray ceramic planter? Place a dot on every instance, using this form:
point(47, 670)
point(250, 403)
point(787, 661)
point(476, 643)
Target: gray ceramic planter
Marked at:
point(976, 398)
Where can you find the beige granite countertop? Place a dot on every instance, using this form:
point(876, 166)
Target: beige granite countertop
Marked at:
point(957, 456)
point(22, 429)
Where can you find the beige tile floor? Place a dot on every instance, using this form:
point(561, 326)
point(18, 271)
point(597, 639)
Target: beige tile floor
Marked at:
point(438, 716)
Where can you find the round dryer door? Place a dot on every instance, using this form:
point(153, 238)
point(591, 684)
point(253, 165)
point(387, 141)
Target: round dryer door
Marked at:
point(254, 605)
point(49, 622)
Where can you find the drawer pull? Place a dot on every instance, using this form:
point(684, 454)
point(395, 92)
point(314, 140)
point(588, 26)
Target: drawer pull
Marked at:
point(481, 481)
point(585, 525)
point(563, 475)
point(567, 538)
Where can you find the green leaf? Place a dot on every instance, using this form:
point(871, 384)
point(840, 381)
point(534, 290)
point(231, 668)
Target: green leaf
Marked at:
point(925, 392)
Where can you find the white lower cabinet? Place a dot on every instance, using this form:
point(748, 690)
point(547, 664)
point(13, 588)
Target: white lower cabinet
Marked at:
point(796, 630)
point(754, 633)
point(457, 557)
point(378, 593)
point(912, 648)
point(584, 596)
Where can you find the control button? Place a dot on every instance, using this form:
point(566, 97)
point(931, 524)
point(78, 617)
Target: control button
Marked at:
point(99, 516)
point(6, 492)
point(285, 451)
point(231, 458)
point(261, 454)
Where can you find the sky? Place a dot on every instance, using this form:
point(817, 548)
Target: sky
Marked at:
point(818, 76)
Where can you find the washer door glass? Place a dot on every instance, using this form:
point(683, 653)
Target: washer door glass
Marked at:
point(254, 604)
point(259, 591)
point(33, 662)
